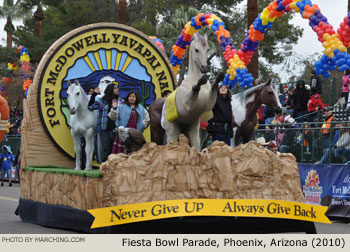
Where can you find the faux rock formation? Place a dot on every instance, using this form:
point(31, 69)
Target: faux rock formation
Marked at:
point(175, 171)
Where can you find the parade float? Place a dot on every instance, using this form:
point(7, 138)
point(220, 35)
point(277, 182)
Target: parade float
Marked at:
point(177, 187)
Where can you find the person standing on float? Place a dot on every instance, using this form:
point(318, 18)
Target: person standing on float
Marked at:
point(131, 115)
point(105, 124)
point(220, 126)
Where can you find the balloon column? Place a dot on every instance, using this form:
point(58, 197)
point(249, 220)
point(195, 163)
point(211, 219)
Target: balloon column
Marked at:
point(237, 71)
point(25, 60)
point(158, 42)
point(11, 67)
point(334, 43)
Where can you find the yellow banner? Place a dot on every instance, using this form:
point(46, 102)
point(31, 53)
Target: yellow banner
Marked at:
point(206, 116)
point(124, 214)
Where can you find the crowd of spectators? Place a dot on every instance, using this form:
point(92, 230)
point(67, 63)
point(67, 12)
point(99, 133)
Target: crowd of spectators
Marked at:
point(16, 116)
point(306, 125)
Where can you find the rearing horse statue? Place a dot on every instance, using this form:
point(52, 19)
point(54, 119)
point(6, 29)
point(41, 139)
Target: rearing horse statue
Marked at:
point(195, 96)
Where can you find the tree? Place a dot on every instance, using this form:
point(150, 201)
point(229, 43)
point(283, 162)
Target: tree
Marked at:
point(160, 18)
point(60, 18)
point(38, 15)
point(252, 9)
point(278, 40)
point(122, 12)
point(168, 32)
point(10, 11)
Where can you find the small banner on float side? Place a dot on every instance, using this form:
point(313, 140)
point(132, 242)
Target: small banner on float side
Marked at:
point(130, 213)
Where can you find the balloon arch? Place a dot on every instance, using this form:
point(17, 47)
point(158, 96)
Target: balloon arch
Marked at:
point(335, 43)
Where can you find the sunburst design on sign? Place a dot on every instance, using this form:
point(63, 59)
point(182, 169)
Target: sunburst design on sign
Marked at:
point(107, 59)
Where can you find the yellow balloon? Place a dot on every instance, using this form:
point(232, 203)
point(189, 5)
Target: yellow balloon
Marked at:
point(328, 51)
point(265, 12)
point(339, 43)
point(342, 48)
point(176, 69)
point(325, 44)
point(265, 22)
point(326, 36)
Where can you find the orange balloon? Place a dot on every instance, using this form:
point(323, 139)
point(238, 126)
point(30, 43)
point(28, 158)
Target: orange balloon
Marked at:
point(4, 110)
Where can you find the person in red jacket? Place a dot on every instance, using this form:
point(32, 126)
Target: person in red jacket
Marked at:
point(314, 104)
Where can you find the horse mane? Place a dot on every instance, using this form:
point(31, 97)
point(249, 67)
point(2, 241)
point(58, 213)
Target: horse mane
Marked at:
point(242, 96)
point(200, 38)
point(85, 97)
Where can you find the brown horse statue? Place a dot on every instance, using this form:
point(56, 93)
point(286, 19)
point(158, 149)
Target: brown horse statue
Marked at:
point(195, 96)
point(155, 115)
point(245, 106)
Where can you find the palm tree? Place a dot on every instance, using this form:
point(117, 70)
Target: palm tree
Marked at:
point(26, 5)
point(168, 32)
point(252, 9)
point(122, 12)
point(39, 16)
point(10, 11)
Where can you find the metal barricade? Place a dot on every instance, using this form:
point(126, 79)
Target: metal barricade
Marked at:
point(316, 146)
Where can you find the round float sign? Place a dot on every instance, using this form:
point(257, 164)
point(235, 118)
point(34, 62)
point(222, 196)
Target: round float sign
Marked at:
point(97, 55)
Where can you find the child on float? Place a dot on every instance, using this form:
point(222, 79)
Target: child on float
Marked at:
point(105, 125)
point(131, 115)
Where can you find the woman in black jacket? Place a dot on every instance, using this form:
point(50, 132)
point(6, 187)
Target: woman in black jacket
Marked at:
point(220, 126)
point(301, 99)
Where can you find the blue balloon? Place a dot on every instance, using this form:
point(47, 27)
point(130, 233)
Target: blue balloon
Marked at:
point(214, 28)
point(342, 68)
point(332, 68)
point(341, 61)
point(326, 74)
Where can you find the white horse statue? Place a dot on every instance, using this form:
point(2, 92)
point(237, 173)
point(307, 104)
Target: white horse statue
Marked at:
point(194, 97)
point(83, 123)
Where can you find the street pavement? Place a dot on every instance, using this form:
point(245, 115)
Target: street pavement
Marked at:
point(12, 224)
